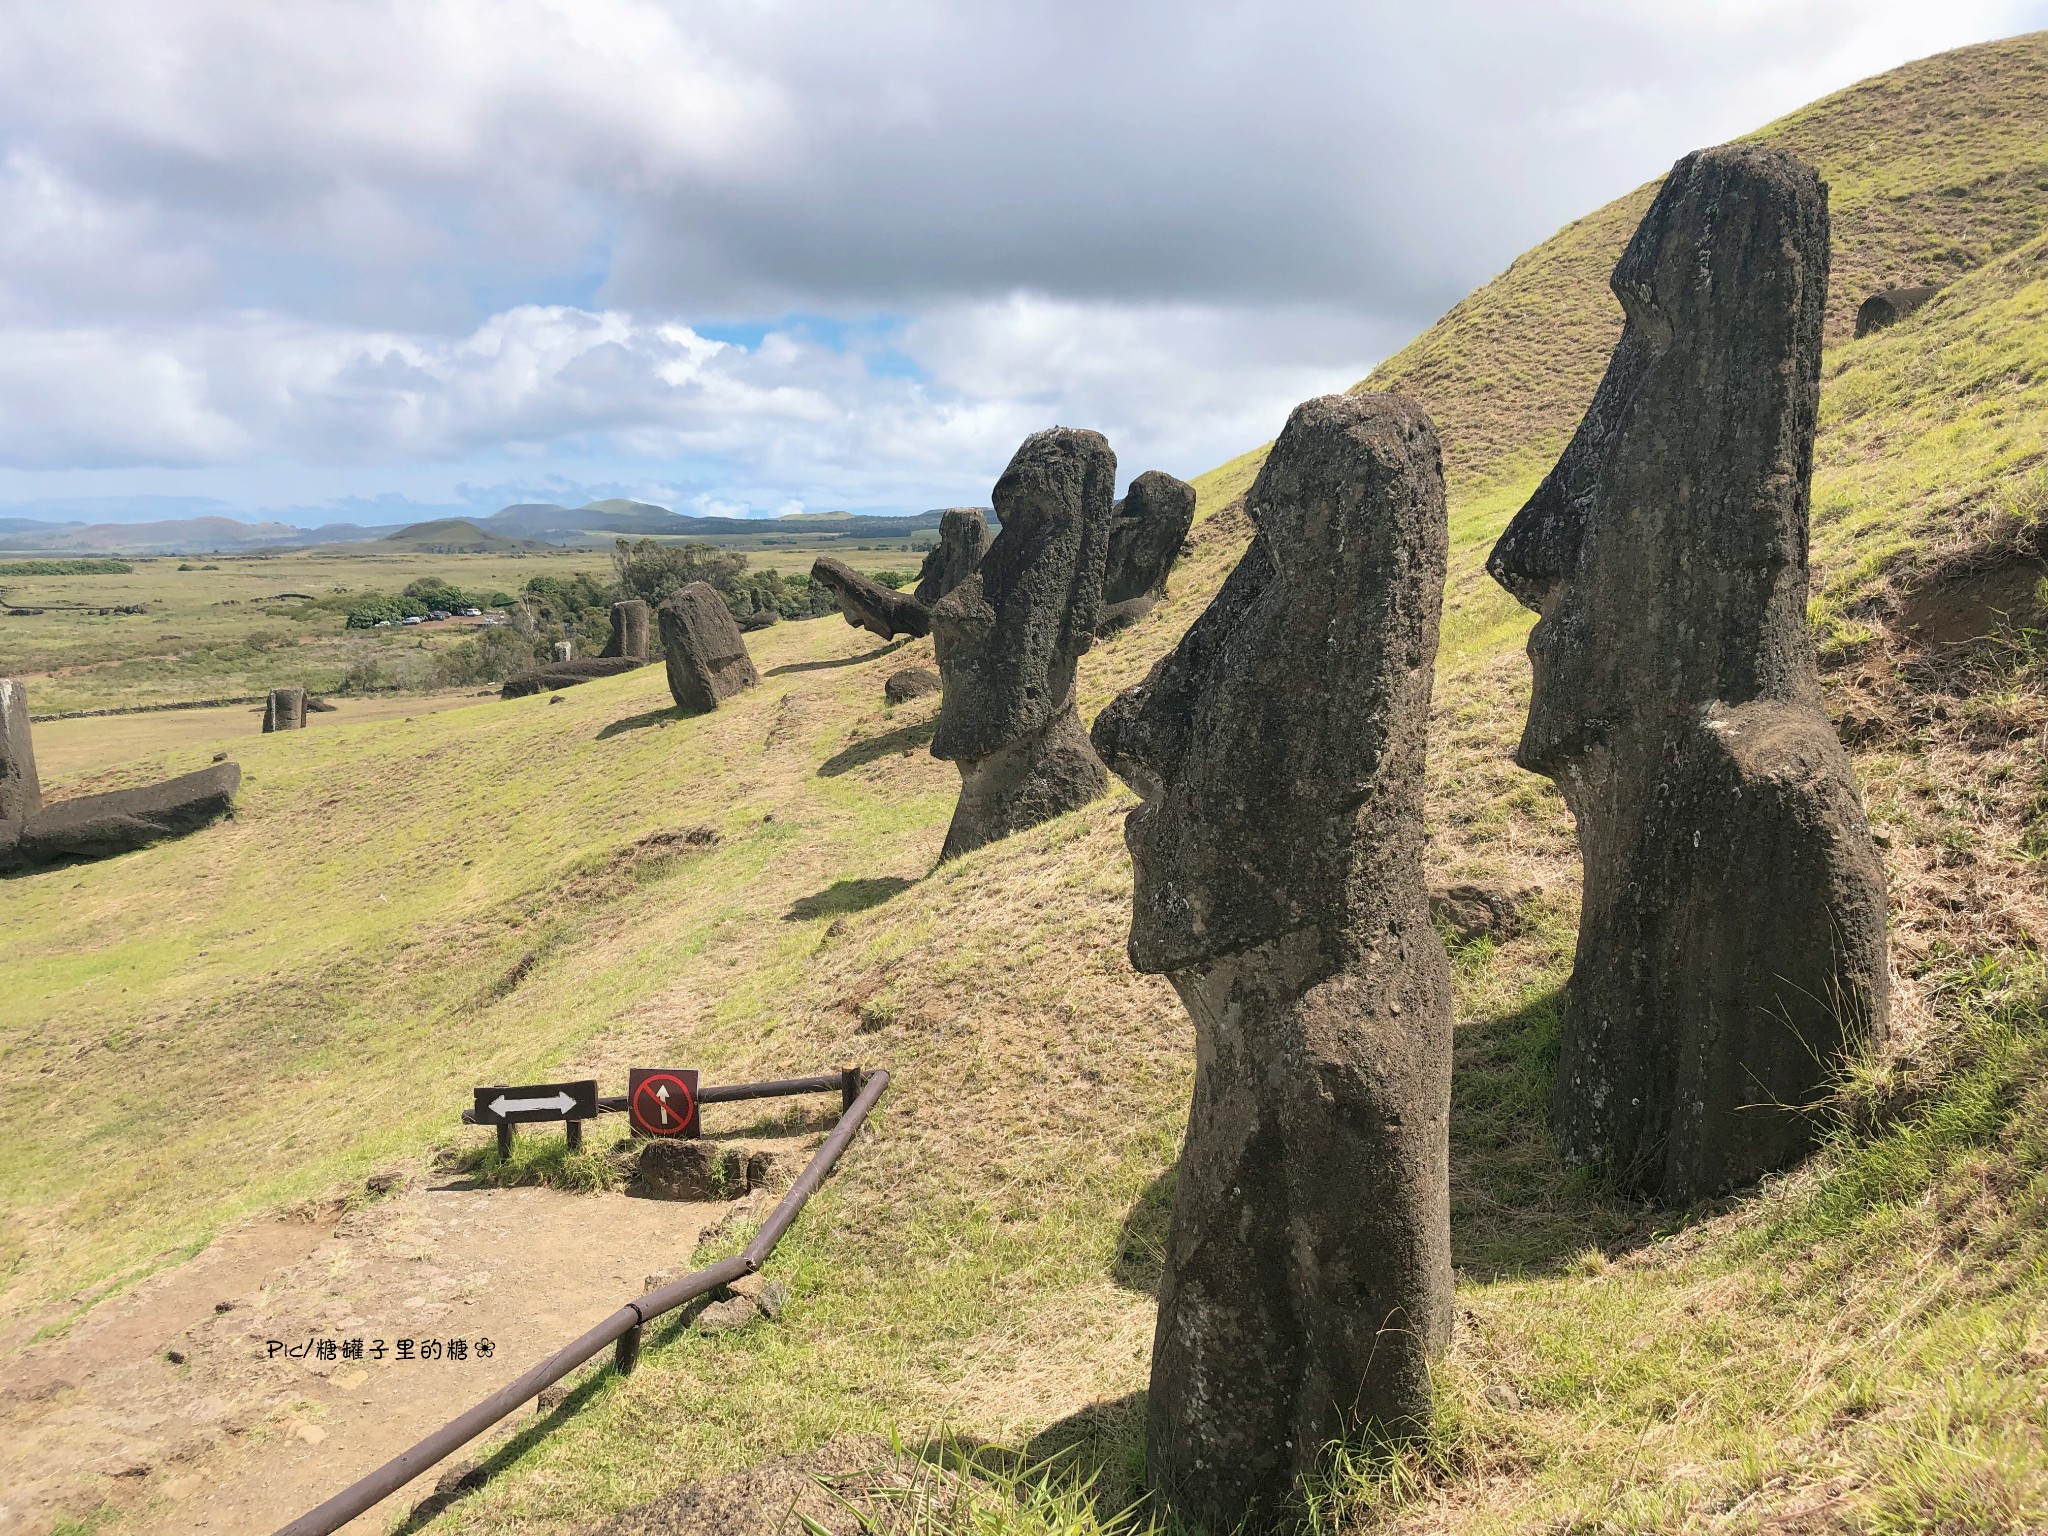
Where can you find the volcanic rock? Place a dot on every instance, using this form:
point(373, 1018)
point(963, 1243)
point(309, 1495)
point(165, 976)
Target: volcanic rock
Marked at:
point(1145, 535)
point(868, 604)
point(1890, 307)
point(21, 791)
point(100, 826)
point(910, 683)
point(692, 1170)
point(963, 540)
point(284, 710)
point(1731, 941)
point(632, 621)
point(1008, 638)
point(707, 660)
point(1279, 887)
point(567, 674)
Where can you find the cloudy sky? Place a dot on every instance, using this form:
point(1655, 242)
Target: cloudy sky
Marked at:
point(370, 259)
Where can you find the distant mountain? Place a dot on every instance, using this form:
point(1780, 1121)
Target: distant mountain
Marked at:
point(451, 536)
point(175, 536)
point(600, 522)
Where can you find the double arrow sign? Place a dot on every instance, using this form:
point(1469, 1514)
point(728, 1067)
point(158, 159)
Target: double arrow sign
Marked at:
point(537, 1101)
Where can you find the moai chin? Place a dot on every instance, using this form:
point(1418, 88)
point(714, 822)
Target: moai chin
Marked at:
point(1731, 943)
point(1008, 638)
point(1279, 886)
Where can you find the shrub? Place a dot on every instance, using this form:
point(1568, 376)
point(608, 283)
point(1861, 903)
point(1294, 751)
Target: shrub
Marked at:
point(70, 568)
point(655, 572)
point(894, 580)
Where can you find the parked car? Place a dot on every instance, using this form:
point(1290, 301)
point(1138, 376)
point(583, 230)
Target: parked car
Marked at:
point(437, 614)
point(471, 613)
point(413, 618)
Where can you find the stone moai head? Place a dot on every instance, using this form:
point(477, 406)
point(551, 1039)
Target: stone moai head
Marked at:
point(1297, 701)
point(1008, 637)
point(21, 790)
point(1145, 536)
point(1682, 499)
point(963, 540)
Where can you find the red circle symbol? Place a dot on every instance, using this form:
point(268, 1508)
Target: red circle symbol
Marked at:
point(663, 1104)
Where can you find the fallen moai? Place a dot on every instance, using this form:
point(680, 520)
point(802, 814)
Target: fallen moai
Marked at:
point(1890, 307)
point(963, 540)
point(632, 624)
point(1008, 639)
point(910, 683)
point(1146, 531)
point(1278, 884)
point(284, 710)
point(100, 826)
point(567, 674)
point(707, 660)
point(868, 604)
point(21, 792)
point(1731, 940)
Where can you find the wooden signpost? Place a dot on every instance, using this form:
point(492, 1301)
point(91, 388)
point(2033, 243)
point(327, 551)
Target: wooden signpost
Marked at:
point(505, 1107)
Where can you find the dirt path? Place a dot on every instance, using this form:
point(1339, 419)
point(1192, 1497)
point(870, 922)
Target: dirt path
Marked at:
point(241, 1433)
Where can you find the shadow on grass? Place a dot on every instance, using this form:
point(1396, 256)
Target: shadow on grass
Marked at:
point(1141, 1243)
point(842, 897)
point(841, 661)
point(640, 722)
point(1516, 1209)
point(905, 738)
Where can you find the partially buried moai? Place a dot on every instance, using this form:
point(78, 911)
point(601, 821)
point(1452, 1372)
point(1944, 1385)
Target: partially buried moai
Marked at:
point(707, 659)
point(284, 709)
point(1009, 636)
point(1279, 886)
point(1731, 944)
point(632, 623)
point(963, 540)
point(1145, 535)
point(21, 790)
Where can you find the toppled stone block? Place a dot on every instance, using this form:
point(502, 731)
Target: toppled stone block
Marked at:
point(1890, 307)
point(963, 540)
point(1146, 531)
point(910, 683)
point(1731, 946)
point(1278, 885)
point(21, 790)
point(100, 826)
point(632, 630)
point(284, 709)
point(760, 618)
point(567, 674)
point(868, 604)
point(707, 660)
point(1009, 637)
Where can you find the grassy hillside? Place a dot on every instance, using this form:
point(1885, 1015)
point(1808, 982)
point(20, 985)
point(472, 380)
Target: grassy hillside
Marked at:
point(1861, 1346)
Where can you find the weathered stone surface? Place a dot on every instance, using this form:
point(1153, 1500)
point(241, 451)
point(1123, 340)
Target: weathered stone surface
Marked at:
point(910, 683)
point(1890, 307)
point(707, 660)
point(868, 604)
point(1731, 944)
point(99, 826)
point(284, 709)
point(963, 540)
point(692, 1170)
point(1145, 535)
point(760, 618)
point(21, 791)
point(562, 650)
point(1009, 636)
point(632, 624)
point(1278, 884)
point(567, 674)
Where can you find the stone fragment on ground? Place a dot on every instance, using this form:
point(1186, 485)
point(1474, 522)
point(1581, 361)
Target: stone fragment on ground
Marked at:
point(121, 820)
point(1731, 947)
point(910, 683)
point(868, 604)
point(707, 660)
point(567, 674)
point(963, 540)
point(1010, 636)
point(1146, 531)
point(1279, 750)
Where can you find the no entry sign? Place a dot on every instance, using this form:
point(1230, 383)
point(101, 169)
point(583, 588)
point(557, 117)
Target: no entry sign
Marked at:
point(662, 1101)
point(537, 1101)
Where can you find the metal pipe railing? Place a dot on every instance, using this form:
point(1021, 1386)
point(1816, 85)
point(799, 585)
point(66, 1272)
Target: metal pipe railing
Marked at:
point(622, 1328)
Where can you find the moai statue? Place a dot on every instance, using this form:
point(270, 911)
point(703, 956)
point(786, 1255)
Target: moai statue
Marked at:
point(1145, 536)
point(562, 650)
point(707, 660)
point(1008, 638)
point(21, 792)
point(631, 622)
point(868, 604)
point(1731, 942)
point(284, 710)
point(963, 540)
point(1279, 887)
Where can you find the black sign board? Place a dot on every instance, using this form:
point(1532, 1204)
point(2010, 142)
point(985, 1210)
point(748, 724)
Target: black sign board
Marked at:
point(662, 1101)
point(537, 1101)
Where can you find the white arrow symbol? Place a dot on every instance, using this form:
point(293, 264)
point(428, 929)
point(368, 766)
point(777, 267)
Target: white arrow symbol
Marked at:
point(661, 1093)
point(561, 1103)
